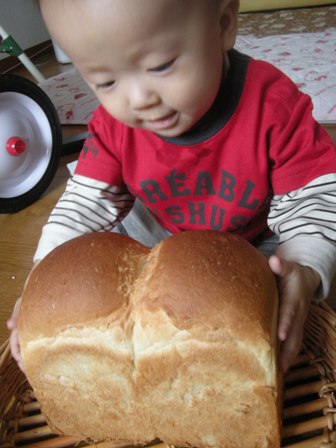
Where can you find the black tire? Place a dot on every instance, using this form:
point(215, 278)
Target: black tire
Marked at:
point(10, 203)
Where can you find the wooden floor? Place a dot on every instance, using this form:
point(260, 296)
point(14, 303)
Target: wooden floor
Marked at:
point(20, 232)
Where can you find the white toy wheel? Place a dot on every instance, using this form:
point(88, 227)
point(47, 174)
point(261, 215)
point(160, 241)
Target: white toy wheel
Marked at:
point(30, 142)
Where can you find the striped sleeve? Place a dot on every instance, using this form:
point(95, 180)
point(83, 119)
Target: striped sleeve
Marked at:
point(87, 205)
point(305, 222)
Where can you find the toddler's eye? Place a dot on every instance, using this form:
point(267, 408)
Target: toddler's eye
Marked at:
point(162, 67)
point(105, 85)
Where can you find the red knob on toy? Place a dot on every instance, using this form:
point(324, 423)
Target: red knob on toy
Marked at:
point(15, 146)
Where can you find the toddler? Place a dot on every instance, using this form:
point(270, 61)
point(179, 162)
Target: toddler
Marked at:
point(191, 134)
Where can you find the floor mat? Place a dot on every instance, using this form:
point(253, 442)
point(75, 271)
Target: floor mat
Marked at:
point(72, 97)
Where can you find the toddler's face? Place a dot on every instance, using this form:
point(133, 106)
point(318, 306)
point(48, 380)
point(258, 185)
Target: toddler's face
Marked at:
point(153, 64)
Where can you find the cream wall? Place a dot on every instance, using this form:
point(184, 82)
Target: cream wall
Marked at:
point(255, 5)
point(22, 20)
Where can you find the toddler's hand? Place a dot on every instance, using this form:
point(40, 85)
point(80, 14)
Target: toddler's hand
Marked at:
point(297, 285)
point(14, 337)
point(12, 325)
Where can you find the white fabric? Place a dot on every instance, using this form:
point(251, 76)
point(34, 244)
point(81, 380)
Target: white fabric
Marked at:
point(309, 59)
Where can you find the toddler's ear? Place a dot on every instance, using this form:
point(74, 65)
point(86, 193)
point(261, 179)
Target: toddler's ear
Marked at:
point(229, 10)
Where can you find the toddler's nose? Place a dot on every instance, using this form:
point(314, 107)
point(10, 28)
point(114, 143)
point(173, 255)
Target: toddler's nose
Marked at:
point(141, 97)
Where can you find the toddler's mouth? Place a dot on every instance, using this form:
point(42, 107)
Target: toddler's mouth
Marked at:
point(165, 122)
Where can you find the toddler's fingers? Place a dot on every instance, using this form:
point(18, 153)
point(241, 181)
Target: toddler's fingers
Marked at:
point(290, 348)
point(287, 310)
point(12, 321)
point(277, 266)
point(287, 317)
point(15, 347)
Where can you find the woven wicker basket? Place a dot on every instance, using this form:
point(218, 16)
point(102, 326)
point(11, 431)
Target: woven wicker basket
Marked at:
point(309, 414)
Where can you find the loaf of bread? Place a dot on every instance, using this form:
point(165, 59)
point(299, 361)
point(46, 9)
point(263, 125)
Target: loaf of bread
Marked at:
point(129, 344)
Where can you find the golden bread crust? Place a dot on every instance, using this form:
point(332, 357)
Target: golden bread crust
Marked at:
point(179, 342)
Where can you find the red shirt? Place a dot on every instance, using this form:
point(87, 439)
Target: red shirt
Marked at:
point(269, 145)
